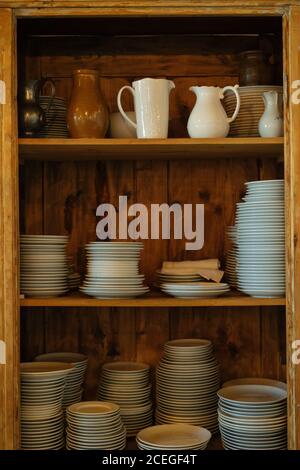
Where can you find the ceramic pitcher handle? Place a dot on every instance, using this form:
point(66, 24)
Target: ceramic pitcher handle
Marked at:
point(238, 101)
point(126, 87)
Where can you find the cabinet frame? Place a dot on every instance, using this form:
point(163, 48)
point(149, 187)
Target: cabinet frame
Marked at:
point(9, 223)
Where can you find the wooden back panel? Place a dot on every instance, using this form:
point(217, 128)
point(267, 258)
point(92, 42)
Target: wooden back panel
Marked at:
point(59, 198)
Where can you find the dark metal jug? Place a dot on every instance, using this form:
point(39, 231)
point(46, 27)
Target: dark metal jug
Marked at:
point(32, 117)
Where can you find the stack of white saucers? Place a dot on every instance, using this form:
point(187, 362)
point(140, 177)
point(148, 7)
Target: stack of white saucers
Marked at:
point(95, 425)
point(113, 270)
point(56, 123)
point(187, 380)
point(74, 381)
point(195, 290)
point(251, 109)
point(42, 388)
point(173, 437)
point(260, 238)
point(74, 278)
point(176, 278)
point(74, 281)
point(128, 385)
point(253, 417)
point(230, 266)
point(44, 268)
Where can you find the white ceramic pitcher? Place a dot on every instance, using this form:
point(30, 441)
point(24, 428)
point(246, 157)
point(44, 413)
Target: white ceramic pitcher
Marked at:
point(151, 104)
point(271, 122)
point(208, 118)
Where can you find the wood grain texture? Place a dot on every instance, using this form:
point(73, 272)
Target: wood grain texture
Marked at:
point(31, 202)
point(161, 8)
point(154, 300)
point(273, 345)
point(292, 177)
point(247, 343)
point(160, 4)
point(154, 149)
point(151, 182)
point(120, 56)
point(256, 4)
point(9, 230)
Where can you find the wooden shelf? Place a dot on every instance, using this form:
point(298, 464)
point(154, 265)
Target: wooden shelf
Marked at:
point(136, 149)
point(151, 300)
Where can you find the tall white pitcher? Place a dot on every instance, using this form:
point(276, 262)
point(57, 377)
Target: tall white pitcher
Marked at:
point(151, 104)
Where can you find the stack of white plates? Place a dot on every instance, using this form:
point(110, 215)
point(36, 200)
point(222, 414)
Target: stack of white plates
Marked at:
point(195, 290)
point(128, 385)
point(74, 278)
point(95, 425)
point(113, 270)
point(253, 417)
point(56, 123)
point(255, 381)
point(74, 381)
point(40, 433)
point(187, 380)
point(42, 388)
point(231, 233)
point(44, 269)
point(176, 278)
point(230, 266)
point(173, 437)
point(260, 238)
point(74, 281)
point(251, 109)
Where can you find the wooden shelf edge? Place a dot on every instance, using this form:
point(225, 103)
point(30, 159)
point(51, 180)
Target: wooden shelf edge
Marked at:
point(153, 300)
point(135, 149)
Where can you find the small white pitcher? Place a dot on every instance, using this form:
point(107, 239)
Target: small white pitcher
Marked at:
point(271, 122)
point(208, 118)
point(151, 104)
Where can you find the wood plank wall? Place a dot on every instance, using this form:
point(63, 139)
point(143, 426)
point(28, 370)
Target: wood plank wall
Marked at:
point(61, 198)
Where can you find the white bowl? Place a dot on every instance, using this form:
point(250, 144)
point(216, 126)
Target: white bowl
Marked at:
point(119, 128)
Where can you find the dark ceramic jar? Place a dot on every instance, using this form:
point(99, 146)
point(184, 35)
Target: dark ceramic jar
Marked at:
point(255, 69)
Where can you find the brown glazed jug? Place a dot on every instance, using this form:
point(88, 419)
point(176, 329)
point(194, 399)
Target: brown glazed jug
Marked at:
point(87, 112)
point(255, 69)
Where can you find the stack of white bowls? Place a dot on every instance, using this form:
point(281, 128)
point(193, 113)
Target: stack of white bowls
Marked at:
point(42, 388)
point(113, 270)
point(128, 385)
point(187, 380)
point(74, 382)
point(253, 417)
point(260, 238)
point(95, 425)
point(173, 437)
point(44, 267)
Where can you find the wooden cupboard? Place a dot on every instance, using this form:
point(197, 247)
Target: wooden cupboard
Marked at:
point(54, 186)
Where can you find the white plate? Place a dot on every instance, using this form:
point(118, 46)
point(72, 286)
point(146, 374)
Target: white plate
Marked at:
point(255, 381)
point(252, 394)
point(173, 436)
